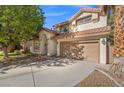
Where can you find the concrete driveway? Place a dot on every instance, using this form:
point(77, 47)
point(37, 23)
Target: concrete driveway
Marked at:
point(53, 76)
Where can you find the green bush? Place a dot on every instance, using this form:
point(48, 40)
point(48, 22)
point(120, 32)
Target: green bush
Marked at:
point(17, 51)
point(1, 53)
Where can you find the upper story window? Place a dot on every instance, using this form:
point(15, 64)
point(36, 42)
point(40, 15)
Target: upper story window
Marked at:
point(64, 28)
point(84, 20)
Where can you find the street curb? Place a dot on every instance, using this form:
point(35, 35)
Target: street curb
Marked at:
point(111, 78)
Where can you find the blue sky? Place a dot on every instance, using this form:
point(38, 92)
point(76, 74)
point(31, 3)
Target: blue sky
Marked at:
point(58, 13)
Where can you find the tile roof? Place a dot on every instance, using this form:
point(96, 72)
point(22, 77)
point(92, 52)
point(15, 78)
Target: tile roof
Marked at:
point(50, 31)
point(62, 23)
point(97, 10)
point(101, 30)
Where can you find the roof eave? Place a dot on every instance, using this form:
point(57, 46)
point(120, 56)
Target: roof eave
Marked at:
point(50, 31)
point(104, 31)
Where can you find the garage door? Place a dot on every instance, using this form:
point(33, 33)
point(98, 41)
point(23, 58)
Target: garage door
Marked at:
point(91, 51)
point(80, 50)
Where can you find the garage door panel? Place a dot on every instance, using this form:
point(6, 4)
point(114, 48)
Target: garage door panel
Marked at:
point(89, 50)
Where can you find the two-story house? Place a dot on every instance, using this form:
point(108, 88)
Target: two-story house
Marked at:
point(86, 18)
point(83, 36)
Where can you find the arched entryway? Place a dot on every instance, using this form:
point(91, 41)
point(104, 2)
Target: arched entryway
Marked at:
point(43, 44)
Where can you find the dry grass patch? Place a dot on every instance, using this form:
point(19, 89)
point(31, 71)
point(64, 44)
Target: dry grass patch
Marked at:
point(96, 79)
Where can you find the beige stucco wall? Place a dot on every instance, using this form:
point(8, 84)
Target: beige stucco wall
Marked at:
point(101, 23)
point(52, 47)
point(32, 47)
point(51, 43)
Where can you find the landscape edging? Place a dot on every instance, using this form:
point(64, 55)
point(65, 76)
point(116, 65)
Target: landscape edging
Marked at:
point(111, 78)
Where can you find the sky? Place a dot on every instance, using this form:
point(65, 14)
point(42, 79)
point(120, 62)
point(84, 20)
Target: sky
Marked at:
point(59, 13)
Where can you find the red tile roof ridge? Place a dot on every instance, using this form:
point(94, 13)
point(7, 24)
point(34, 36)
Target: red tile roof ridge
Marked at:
point(87, 32)
point(50, 30)
point(91, 9)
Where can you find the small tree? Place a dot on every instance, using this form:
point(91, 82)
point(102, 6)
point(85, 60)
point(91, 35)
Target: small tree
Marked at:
point(19, 24)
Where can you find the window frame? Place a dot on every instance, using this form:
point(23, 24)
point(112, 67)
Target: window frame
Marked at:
point(85, 21)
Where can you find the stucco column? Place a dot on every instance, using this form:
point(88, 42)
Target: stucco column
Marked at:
point(58, 48)
point(52, 47)
point(32, 47)
point(43, 47)
point(40, 47)
point(103, 50)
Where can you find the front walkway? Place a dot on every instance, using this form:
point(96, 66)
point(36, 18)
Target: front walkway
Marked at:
point(47, 76)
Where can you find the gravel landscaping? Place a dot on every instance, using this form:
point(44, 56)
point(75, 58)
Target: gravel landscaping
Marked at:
point(96, 79)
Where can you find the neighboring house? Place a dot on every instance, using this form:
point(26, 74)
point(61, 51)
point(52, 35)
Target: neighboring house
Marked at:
point(84, 35)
